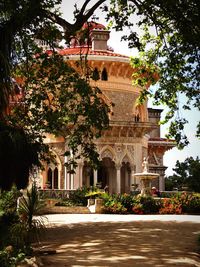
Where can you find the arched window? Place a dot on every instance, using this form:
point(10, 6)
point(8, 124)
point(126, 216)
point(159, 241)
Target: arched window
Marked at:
point(55, 178)
point(95, 75)
point(52, 178)
point(104, 75)
point(49, 178)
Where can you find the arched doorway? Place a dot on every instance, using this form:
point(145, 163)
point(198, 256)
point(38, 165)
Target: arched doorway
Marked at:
point(106, 175)
point(88, 175)
point(125, 177)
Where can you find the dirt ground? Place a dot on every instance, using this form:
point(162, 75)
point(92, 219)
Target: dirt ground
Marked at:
point(142, 243)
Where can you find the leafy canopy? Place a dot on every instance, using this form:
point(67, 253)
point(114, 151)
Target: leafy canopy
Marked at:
point(52, 97)
point(59, 101)
point(186, 175)
point(168, 46)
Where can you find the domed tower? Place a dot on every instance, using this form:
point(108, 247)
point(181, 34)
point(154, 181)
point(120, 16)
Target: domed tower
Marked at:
point(124, 145)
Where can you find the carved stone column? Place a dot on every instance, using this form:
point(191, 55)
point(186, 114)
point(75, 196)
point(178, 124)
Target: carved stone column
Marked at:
point(162, 180)
point(118, 178)
point(127, 180)
point(66, 182)
point(95, 177)
point(80, 173)
point(71, 181)
point(132, 177)
point(138, 158)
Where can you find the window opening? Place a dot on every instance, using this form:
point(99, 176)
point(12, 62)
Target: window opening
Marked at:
point(104, 75)
point(49, 178)
point(55, 178)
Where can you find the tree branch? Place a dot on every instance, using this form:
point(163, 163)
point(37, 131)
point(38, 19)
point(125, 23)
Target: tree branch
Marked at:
point(81, 18)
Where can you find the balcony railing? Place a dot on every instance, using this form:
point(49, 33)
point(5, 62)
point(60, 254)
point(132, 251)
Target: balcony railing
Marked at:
point(55, 193)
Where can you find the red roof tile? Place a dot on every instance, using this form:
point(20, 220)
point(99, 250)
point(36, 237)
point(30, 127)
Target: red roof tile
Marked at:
point(85, 50)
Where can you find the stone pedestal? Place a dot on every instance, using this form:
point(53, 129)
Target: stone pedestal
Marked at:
point(95, 205)
point(98, 205)
point(146, 187)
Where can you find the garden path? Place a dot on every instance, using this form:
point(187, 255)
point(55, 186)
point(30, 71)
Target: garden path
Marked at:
point(122, 240)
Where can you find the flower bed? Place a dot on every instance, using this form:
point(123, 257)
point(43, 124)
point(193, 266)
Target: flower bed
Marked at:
point(126, 204)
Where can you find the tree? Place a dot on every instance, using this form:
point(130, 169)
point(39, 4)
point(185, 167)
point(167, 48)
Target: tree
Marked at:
point(173, 53)
point(46, 107)
point(58, 100)
point(186, 175)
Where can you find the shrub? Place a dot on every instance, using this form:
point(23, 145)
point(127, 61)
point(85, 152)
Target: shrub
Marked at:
point(8, 201)
point(170, 206)
point(112, 204)
point(138, 209)
point(149, 204)
point(78, 196)
point(115, 208)
point(125, 203)
point(30, 206)
point(8, 214)
point(190, 203)
point(126, 200)
point(94, 193)
point(65, 203)
point(10, 258)
point(179, 203)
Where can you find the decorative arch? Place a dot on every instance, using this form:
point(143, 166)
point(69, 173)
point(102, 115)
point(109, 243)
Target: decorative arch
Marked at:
point(126, 158)
point(95, 74)
point(53, 171)
point(104, 75)
point(107, 152)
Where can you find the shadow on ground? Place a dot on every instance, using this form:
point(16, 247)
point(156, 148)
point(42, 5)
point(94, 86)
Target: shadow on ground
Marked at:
point(132, 244)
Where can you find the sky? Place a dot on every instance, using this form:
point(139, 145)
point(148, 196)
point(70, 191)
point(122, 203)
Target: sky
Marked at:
point(172, 155)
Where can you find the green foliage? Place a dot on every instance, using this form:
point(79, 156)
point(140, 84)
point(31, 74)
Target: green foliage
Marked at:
point(166, 49)
point(65, 203)
point(94, 193)
point(61, 102)
point(181, 203)
point(113, 205)
point(18, 228)
point(189, 202)
point(115, 208)
point(149, 204)
point(30, 204)
point(8, 201)
point(78, 197)
point(8, 215)
point(177, 204)
point(186, 175)
point(170, 206)
point(10, 259)
point(125, 203)
point(31, 228)
point(126, 200)
point(57, 100)
point(19, 22)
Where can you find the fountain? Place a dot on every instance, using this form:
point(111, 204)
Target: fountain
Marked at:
point(146, 178)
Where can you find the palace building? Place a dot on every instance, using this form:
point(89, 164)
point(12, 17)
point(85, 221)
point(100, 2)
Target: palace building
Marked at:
point(134, 132)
